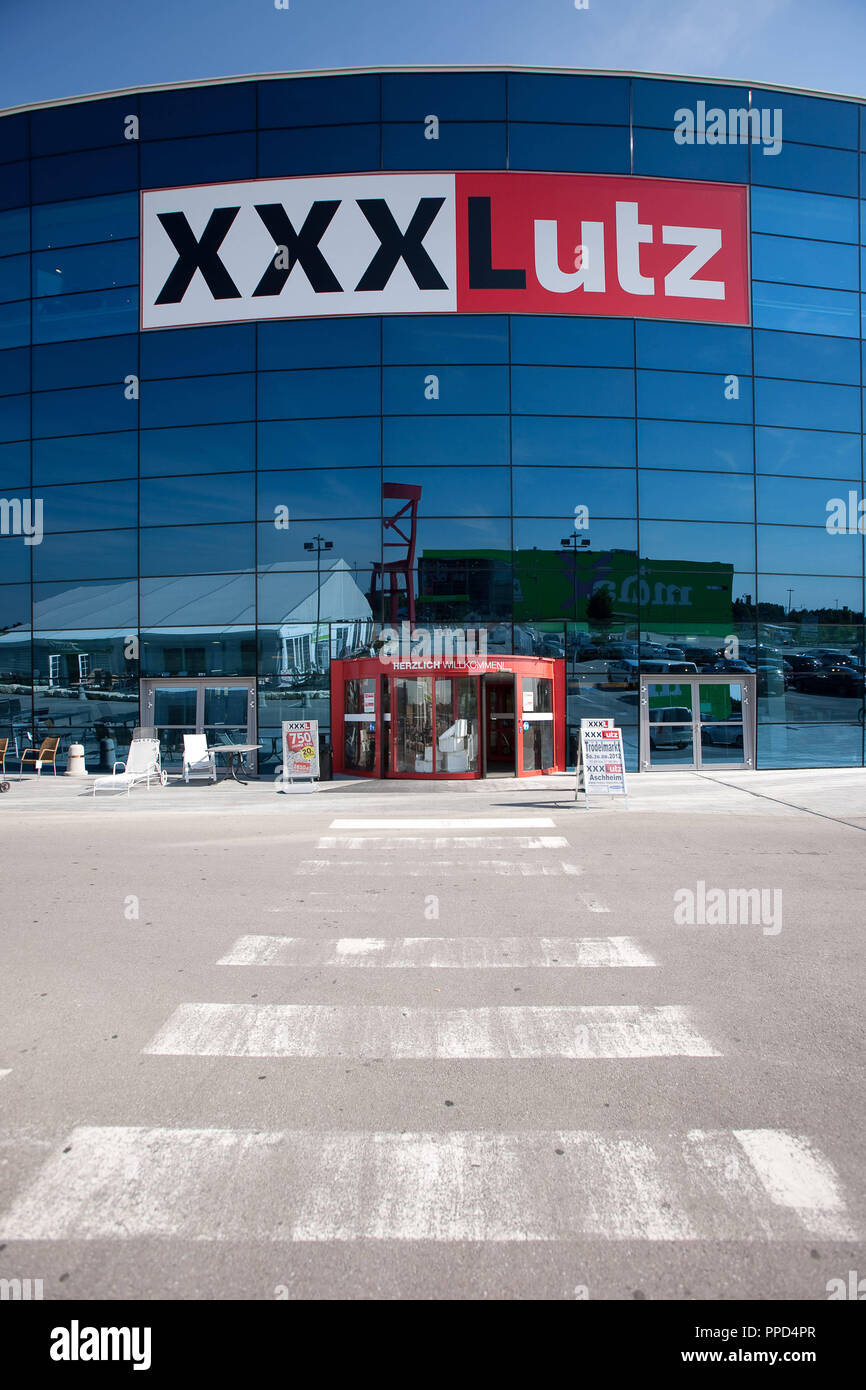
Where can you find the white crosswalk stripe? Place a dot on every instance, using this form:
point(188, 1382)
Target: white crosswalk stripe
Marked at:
point(391, 867)
point(443, 823)
point(384, 1030)
point(439, 952)
point(441, 842)
point(228, 1184)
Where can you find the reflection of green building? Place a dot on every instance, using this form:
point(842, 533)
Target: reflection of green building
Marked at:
point(662, 595)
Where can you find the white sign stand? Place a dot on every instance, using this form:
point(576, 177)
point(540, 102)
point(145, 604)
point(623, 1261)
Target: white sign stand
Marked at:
point(600, 761)
point(300, 755)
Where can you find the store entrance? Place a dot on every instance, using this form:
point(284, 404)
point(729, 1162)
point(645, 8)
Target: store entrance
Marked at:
point(222, 709)
point(697, 722)
point(500, 726)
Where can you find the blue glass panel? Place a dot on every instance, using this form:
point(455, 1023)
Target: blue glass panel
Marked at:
point(90, 506)
point(15, 561)
point(87, 363)
point(204, 449)
point(807, 453)
point(809, 550)
point(572, 391)
point(565, 341)
point(85, 268)
point(13, 138)
point(689, 396)
point(15, 612)
point(87, 555)
point(464, 338)
point(198, 400)
point(196, 599)
point(14, 417)
point(796, 501)
point(479, 145)
point(545, 535)
point(77, 604)
point(704, 347)
point(14, 186)
point(198, 111)
point(811, 120)
point(199, 651)
point(410, 442)
point(795, 745)
point(812, 592)
point(83, 411)
point(560, 441)
point(14, 231)
point(656, 153)
point(569, 148)
point(310, 101)
point(808, 167)
point(696, 496)
point(806, 356)
point(557, 491)
point(827, 219)
point(164, 501)
point(85, 458)
point(452, 96)
point(14, 467)
point(81, 125)
point(805, 310)
point(14, 372)
point(656, 102)
point(473, 537)
point(90, 219)
point(324, 150)
point(705, 542)
point(344, 391)
point(82, 174)
point(284, 594)
point(96, 314)
point(209, 159)
point(350, 342)
point(809, 405)
point(805, 262)
point(198, 351)
point(356, 544)
point(549, 97)
point(197, 549)
point(15, 324)
point(720, 448)
point(14, 277)
point(471, 390)
point(458, 491)
point(321, 443)
point(318, 493)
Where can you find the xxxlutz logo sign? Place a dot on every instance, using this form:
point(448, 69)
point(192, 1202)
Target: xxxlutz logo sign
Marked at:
point(444, 243)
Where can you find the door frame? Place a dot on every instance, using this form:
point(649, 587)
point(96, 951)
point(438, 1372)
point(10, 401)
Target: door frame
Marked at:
point(488, 680)
point(150, 684)
point(748, 683)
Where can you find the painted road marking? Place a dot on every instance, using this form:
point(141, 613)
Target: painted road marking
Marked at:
point(223, 1184)
point(323, 1030)
point(442, 842)
point(4, 1071)
point(439, 952)
point(528, 868)
point(440, 823)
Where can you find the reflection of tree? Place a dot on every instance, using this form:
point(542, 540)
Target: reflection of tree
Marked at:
point(599, 609)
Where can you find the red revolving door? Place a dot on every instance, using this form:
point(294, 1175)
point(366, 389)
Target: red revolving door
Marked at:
point(483, 716)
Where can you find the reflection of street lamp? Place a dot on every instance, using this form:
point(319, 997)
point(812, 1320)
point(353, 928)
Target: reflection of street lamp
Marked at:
point(790, 592)
point(318, 543)
point(578, 543)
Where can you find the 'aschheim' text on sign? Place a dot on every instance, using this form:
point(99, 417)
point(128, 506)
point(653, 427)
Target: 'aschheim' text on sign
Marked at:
point(475, 243)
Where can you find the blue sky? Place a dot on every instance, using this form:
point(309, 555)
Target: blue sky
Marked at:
point(55, 48)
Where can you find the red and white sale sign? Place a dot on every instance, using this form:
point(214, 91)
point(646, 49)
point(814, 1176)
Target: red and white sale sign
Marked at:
point(493, 242)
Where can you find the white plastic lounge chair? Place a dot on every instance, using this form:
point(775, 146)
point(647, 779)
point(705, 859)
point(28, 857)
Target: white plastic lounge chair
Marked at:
point(198, 761)
point(142, 764)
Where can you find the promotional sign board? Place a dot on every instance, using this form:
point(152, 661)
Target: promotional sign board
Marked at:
point(300, 748)
point(501, 242)
point(601, 762)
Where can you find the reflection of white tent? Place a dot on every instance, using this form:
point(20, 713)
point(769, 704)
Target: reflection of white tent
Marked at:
point(338, 601)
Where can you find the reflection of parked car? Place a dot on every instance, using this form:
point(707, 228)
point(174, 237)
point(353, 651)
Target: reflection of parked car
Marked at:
point(730, 663)
point(771, 679)
point(701, 656)
point(551, 645)
point(624, 673)
point(670, 727)
point(833, 680)
point(723, 735)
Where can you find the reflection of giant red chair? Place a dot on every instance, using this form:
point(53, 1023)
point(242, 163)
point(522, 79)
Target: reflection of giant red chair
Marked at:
point(405, 523)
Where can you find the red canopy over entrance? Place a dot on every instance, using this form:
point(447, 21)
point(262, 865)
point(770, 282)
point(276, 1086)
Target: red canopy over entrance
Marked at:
point(472, 716)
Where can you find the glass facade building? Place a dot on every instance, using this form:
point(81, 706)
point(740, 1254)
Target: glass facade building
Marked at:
point(195, 520)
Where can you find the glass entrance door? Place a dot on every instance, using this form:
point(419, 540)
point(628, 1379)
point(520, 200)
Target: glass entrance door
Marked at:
point(433, 726)
point(697, 722)
point(224, 711)
point(500, 726)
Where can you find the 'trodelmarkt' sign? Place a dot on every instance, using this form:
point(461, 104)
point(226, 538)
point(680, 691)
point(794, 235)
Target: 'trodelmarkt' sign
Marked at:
point(467, 243)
